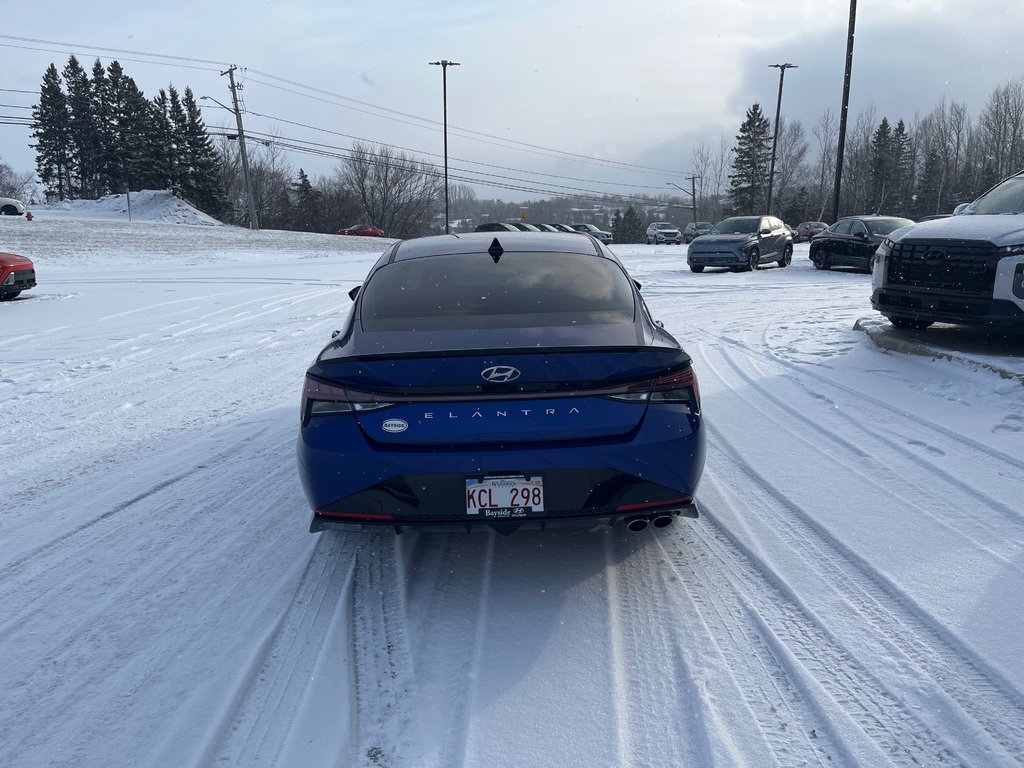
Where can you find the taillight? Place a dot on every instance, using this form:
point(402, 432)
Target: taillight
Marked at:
point(322, 399)
point(677, 387)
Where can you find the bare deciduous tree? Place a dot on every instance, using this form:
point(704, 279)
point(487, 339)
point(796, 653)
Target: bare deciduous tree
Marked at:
point(397, 192)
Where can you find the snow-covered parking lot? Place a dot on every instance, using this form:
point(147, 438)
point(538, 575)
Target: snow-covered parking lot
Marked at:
point(852, 594)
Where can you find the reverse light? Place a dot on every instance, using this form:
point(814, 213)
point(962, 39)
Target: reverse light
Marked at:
point(322, 399)
point(676, 387)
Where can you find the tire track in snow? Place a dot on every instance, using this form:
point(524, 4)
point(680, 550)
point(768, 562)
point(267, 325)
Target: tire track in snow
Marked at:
point(804, 372)
point(673, 714)
point(960, 696)
point(998, 534)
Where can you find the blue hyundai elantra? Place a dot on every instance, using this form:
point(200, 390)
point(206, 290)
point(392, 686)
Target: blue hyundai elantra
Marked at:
point(505, 380)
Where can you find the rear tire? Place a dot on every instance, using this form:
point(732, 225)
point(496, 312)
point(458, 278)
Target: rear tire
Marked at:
point(787, 257)
point(9, 210)
point(696, 267)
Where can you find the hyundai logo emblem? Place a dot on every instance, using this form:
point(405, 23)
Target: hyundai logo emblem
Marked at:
point(934, 255)
point(500, 374)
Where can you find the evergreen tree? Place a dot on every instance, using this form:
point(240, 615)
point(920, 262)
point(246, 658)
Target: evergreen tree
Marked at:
point(617, 226)
point(306, 209)
point(631, 228)
point(52, 131)
point(140, 148)
point(158, 160)
point(882, 164)
point(751, 158)
point(84, 134)
point(199, 157)
point(903, 169)
point(113, 120)
point(104, 148)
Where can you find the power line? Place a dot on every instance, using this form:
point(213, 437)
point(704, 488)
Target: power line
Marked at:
point(459, 159)
point(469, 133)
point(114, 50)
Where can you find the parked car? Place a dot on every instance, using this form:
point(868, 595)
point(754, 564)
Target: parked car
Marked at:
point(500, 380)
point(546, 227)
point(967, 268)
point(17, 274)
point(362, 230)
point(11, 207)
point(695, 229)
point(590, 229)
point(663, 232)
point(851, 241)
point(742, 243)
point(495, 226)
point(522, 226)
point(805, 230)
point(565, 228)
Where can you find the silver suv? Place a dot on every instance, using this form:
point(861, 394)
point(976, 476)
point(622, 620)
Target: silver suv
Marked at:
point(663, 232)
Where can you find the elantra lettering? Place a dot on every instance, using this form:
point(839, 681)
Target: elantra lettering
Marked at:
point(478, 414)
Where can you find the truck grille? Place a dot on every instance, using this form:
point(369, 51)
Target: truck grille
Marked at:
point(966, 267)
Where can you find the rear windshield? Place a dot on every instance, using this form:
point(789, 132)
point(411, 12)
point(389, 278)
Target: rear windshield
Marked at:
point(886, 226)
point(521, 290)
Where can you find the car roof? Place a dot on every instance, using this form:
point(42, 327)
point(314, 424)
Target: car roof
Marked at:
point(481, 242)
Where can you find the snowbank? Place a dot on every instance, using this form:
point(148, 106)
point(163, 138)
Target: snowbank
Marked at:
point(147, 205)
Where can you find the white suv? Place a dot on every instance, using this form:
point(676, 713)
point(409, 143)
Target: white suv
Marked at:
point(967, 268)
point(663, 232)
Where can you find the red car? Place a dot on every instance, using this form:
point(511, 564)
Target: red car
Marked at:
point(362, 230)
point(805, 230)
point(17, 274)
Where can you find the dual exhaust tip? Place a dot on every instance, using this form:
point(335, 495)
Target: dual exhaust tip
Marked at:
point(635, 524)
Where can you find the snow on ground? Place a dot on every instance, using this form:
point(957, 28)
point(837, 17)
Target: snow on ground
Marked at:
point(852, 593)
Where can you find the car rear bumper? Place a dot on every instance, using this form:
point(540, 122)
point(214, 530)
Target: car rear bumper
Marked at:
point(350, 482)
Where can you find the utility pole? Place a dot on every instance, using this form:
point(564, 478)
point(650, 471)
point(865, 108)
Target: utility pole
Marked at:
point(253, 221)
point(693, 197)
point(775, 136)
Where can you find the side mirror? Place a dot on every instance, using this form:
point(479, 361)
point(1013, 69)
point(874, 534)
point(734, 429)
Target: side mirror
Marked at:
point(354, 292)
point(637, 284)
point(334, 334)
point(765, 231)
point(961, 208)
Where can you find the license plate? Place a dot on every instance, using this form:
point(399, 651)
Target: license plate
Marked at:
point(501, 496)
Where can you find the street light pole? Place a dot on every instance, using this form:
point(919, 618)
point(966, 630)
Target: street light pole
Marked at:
point(775, 136)
point(444, 64)
point(844, 110)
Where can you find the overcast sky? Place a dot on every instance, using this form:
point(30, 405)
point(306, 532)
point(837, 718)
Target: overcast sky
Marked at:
point(541, 85)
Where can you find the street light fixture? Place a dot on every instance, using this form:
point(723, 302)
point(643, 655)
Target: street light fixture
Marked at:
point(775, 136)
point(250, 202)
point(444, 64)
